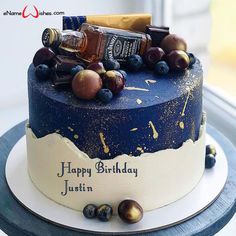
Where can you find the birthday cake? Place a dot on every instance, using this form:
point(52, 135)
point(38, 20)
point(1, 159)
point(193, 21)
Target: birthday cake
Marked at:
point(108, 127)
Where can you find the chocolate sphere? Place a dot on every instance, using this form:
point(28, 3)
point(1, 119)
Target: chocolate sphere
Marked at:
point(178, 60)
point(104, 212)
point(44, 56)
point(114, 81)
point(173, 42)
point(97, 67)
point(130, 211)
point(153, 55)
point(210, 149)
point(86, 84)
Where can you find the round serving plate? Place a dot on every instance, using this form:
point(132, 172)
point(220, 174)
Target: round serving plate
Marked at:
point(203, 195)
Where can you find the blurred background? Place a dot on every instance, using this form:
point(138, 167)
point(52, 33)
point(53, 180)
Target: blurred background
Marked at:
point(207, 25)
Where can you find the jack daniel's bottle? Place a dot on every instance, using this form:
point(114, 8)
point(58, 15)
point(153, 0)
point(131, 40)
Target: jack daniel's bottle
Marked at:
point(95, 43)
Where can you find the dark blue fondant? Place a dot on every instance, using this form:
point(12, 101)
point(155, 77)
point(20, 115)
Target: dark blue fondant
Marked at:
point(52, 110)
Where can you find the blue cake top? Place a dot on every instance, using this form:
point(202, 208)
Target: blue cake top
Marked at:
point(163, 113)
point(142, 89)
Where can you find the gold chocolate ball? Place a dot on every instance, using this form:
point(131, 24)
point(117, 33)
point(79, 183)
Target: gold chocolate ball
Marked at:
point(173, 42)
point(86, 84)
point(130, 211)
point(178, 60)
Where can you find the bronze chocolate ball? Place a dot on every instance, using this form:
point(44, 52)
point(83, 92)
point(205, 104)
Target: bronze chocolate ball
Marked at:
point(153, 55)
point(86, 84)
point(178, 60)
point(114, 81)
point(173, 42)
point(130, 211)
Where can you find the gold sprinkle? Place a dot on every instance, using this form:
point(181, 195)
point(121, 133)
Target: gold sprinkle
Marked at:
point(105, 147)
point(139, 101)
point(185, 103)
point(57, 131)
point(76, 136)
point(150, 81)
point(181, 125)
point(140, 149)
point(71, 129)
point(155, 134)
point(134, 129)
point(138, 89)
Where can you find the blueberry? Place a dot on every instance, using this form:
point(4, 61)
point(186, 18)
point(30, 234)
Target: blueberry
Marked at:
point(105, 95)
point(90, 211)
point(210, 161)
point(162, 68)
point(210, 149)
point(76, 69)
point(124, 74)
point(192, 59)
point(135, 62)
point(104, 212)
point(42, 72)
point(111, 64)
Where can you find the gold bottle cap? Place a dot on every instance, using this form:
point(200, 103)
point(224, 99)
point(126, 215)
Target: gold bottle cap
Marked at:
point(51, 37)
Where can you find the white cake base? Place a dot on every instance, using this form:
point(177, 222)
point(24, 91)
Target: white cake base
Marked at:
point(71, 178)
point(207, 190)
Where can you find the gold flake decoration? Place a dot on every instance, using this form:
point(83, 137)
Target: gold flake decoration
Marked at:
point(139, 101)
point(71, 129)
point(105, 147)
point(76, 136)
point(150, 81)
point(140, 149)
point(155, 134)
point(186, 102)
point(134, 129)
point(181, 125)
point(135, 88)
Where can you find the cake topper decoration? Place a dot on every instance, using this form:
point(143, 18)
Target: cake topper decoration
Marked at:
point(133, 22)
point(113, 43)
point(107, 51)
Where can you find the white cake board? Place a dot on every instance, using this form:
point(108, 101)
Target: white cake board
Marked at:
point(209, 187)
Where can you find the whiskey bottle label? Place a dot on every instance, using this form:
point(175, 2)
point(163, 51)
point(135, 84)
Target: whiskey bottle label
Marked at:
point(119, 47)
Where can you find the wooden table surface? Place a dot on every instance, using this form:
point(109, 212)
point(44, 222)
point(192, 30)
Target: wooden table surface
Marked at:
point(16, 220)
